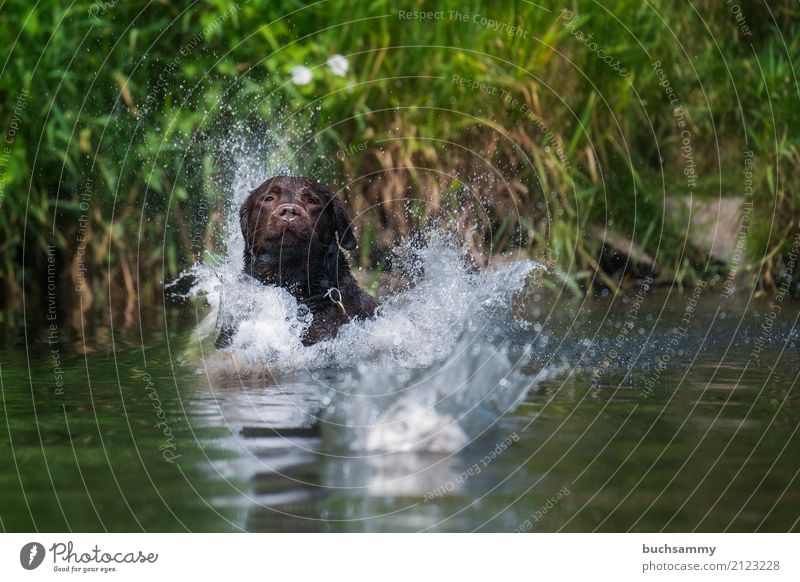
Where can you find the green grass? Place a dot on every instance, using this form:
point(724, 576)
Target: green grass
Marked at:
point(97, 111)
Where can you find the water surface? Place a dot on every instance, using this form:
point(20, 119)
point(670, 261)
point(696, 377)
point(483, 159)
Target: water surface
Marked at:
point(614, 431)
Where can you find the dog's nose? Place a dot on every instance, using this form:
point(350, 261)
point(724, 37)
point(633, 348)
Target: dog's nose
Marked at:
point(288, 211)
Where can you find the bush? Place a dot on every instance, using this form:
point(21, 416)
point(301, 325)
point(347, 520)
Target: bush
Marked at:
point(512, 118)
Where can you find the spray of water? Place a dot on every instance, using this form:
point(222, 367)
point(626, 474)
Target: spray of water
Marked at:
point(423, 374)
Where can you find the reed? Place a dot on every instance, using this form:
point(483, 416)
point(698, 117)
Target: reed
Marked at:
point(118, 114)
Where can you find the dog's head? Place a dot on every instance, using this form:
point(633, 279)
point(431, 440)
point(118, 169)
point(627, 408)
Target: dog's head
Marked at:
point(294, 215)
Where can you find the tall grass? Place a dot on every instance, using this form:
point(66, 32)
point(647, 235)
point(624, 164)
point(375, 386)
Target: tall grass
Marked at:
point(112, 121)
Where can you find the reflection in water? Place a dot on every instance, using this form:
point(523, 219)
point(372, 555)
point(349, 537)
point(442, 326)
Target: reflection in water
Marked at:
point(394, 407)
point(302, 444)
point(711, 447)
point(711, 435)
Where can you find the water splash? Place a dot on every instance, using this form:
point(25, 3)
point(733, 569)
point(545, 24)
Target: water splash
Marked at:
point(422, 375)
point(412, 329)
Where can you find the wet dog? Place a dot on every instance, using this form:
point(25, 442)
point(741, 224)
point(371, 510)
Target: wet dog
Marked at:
point(295, 234)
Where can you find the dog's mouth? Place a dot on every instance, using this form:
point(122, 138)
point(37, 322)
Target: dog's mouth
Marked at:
point(290, 228)
point(289, 223)
point(291, 235)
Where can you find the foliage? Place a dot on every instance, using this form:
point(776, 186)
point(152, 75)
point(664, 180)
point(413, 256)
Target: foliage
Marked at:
point(123, 116)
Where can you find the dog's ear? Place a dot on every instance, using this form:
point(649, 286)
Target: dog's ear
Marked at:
point(247, 205)
point(244, 213)
point(342, 225)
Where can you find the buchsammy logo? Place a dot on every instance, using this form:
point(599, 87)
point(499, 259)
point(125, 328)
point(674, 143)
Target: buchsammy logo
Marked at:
point(31, 555)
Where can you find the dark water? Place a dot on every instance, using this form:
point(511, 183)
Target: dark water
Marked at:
point(612, 441)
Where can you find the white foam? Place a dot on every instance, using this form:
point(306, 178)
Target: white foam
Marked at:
point(420, 375)
point(413, 328)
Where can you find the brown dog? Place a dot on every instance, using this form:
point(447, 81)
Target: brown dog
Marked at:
point(294, 232)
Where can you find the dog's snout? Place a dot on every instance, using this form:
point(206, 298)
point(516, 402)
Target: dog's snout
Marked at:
point(288, 211)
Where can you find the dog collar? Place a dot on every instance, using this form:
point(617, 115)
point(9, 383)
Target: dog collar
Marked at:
point(336, 299)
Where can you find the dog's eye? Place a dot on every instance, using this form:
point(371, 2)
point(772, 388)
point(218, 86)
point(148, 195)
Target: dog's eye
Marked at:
point(269, 198)
point(313, 200)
